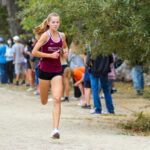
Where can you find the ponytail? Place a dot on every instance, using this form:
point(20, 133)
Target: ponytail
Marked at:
point(41, 28)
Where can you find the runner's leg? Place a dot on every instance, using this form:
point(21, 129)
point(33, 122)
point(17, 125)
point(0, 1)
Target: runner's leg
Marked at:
point(44, 87)
point(57, 88)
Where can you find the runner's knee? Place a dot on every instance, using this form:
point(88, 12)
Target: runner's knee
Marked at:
point(56, 100)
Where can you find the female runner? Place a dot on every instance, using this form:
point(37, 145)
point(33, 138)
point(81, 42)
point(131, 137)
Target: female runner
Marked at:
point(50, 72)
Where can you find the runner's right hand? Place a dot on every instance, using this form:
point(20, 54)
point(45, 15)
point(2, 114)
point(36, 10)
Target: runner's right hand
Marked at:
point(55, 55)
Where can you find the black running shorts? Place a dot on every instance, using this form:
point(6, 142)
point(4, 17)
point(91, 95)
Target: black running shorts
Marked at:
point(47, 76)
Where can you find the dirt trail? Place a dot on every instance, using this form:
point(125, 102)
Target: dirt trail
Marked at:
point(26, 125)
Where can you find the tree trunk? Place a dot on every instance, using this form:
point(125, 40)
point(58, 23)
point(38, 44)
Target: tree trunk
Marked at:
point(13, 22)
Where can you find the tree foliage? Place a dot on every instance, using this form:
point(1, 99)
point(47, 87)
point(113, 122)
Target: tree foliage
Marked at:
point(121, 26)
point(3, 22)
point(9, 24)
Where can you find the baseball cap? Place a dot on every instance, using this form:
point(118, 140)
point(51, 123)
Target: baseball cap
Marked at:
point(1, 40)
point(16, 38)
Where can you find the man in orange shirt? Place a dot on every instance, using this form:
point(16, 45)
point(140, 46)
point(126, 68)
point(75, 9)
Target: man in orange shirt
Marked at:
point(78, 75)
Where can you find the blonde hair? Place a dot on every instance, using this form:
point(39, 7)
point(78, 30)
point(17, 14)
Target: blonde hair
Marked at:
point(74, 46)
point(68, 73)
point(40, 29)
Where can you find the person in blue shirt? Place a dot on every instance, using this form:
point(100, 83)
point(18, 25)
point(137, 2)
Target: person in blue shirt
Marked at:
point(3, 61)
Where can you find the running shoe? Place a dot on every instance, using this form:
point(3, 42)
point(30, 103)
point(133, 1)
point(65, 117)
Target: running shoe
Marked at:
point(30, 89)
point(81, 102)
point(113, 90)
point(93, 111)
point(139, 92)
point(74, 98)
point(64, 99)
point(23, 82)
point(37, 92)
point(17, 83)
point(86, 106)
point(105, 112)
point(55, 134)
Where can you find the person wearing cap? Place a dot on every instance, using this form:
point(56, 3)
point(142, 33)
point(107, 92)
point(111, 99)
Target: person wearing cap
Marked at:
point(3, 61)
point(18, 59)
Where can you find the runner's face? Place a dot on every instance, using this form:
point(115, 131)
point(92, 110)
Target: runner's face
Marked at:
point(54, 23)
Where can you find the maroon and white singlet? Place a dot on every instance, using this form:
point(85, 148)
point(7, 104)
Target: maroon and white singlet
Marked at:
point(51, 65)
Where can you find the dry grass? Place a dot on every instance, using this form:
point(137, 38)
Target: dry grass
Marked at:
point(141, 125)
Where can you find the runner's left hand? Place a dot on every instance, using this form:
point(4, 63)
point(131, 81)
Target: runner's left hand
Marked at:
point(65, 55)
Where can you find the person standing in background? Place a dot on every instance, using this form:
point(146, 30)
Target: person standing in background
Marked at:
point(28, 54)
point(111, 75)
point(36, 65)
point(75, 61)
point(64, 65)
point(99, 69)
point(138, 78)
point(87, 85)
point(18, 60)
point(9, 59)
point(3, 48)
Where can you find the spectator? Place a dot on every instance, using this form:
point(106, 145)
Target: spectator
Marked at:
point(3, 61)
point(76, 74)
point(74, 58)
point(36, 65)
point(138, 79)
point(64, 65)
point(18, 60)
point(9, 59)
point(75, 61)
point(111, 75)
point(99, 69)
point(36, 69)
point(29, 57)
point(87, 86)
